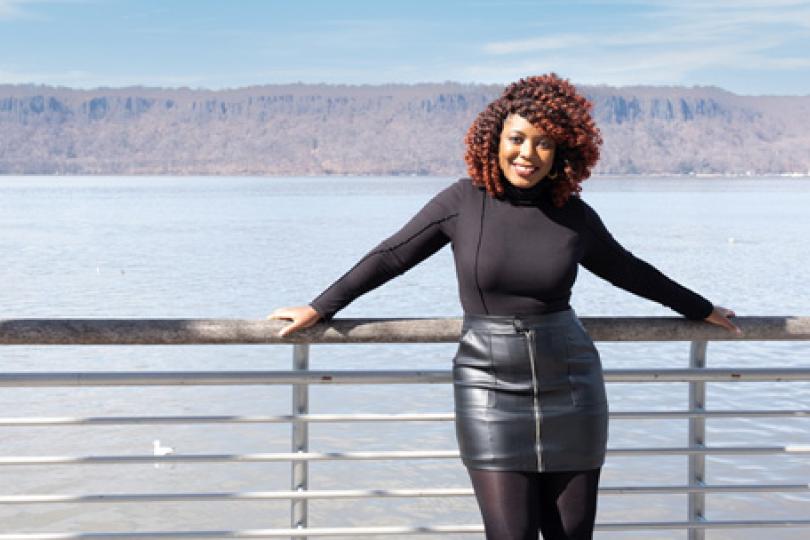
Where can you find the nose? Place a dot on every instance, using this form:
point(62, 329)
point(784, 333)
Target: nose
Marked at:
point(527, 149)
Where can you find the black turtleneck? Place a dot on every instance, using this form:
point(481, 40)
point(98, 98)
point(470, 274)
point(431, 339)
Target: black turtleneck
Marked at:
point(514, 255)
point(525, 196)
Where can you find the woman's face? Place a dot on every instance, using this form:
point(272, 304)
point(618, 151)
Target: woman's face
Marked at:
point(525, 152)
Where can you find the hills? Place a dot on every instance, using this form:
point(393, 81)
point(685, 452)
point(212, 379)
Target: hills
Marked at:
point(380, 130)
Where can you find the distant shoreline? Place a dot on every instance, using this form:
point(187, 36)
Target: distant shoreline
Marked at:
point(419, 130)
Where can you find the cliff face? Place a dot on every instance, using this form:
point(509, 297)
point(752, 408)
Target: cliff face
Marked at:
point(679, 130)
point(385, 130)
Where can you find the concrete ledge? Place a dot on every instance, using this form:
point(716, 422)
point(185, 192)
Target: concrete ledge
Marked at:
point(442, 330)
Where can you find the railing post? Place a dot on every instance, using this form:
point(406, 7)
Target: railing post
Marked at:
point(697, 438)
point(300, 439)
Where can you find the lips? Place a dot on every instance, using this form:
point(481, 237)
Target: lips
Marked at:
point(524, 171)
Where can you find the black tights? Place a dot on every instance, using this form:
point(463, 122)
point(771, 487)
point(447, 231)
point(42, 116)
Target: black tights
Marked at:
point(516, 505)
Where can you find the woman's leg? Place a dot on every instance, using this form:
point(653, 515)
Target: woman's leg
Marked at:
point(567, 504)
point(515, 504)
point(508, 501)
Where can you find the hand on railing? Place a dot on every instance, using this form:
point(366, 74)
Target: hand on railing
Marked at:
point(301, 317)
point(721, 317)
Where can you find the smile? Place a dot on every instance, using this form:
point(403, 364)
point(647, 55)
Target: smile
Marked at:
point(524, 170)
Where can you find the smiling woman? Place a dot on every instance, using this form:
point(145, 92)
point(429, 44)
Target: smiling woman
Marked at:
point(530, 403)
point(538, 122)
point(526, 153)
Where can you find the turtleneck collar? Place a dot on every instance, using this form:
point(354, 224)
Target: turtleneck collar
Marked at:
point(526, 196)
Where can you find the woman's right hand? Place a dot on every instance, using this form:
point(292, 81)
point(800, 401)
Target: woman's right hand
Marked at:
point(301, 317)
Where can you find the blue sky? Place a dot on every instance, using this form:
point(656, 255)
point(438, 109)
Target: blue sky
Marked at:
point(746, 46)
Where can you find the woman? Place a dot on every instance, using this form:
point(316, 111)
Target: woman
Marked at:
point(531, 413)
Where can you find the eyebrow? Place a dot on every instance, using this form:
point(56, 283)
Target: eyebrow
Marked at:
point(544, 136)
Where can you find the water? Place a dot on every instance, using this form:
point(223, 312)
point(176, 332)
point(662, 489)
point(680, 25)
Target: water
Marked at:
point(239, 247)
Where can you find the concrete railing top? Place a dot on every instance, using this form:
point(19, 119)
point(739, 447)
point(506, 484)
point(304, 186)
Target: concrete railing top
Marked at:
point(236, 331)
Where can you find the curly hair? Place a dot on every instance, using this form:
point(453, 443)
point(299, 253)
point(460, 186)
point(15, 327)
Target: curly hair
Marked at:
point(551, 104)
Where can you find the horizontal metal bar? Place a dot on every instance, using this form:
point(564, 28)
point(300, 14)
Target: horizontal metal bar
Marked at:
point(237, 496)
point(740, 413)
point(427, 376)
point(253, 533)
point(427, 330)
point(705, 488)
point(703, 524)
point(377, 493)
point(360, 417)
point(381, 455)
point(220, 378)
point(708, 375)
point(228, 458)
point(276, 419)
point(401, 530)
point(711, 450)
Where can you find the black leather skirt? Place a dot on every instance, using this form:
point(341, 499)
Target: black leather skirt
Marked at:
point(529, 394)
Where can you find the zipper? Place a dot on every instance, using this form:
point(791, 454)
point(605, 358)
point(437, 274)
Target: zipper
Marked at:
point(530, 341)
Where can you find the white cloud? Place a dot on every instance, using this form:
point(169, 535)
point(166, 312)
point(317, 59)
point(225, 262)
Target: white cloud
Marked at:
point(12, 9)
point(557, 41)
point(680, 28)
point(663, 46)
point(622, 66)
point(19, 9)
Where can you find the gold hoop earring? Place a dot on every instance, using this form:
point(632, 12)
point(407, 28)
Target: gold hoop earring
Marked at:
point(552, 176)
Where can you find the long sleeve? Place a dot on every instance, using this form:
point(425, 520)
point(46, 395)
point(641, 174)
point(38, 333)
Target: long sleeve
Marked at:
point(606, 258)
point(427, 232)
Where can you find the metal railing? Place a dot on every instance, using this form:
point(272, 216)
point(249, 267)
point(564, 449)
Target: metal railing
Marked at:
point(191, 332)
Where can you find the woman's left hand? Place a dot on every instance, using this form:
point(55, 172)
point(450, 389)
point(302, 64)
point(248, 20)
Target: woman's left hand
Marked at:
point(722, 317)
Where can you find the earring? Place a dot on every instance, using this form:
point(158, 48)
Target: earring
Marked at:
point(552, 176)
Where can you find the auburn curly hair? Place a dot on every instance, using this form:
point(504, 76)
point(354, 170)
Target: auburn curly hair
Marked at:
point(551, 104)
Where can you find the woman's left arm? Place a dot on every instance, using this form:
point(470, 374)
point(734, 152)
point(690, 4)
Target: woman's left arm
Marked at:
point(606, 258)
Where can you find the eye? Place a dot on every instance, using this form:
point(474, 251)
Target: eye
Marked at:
point(514, 139)
point(546, 144)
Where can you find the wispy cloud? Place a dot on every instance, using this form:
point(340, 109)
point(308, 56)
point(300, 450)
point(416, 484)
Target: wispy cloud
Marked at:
point(663, 45)
point(547, 43)
point(673, 28)
point(751, 15)
point(21, 9)
point(12, 9)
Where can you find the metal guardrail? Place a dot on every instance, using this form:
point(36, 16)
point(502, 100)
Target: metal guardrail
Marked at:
point(199, 331)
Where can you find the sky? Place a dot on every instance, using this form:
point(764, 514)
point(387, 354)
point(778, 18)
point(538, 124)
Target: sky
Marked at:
point(749, 47)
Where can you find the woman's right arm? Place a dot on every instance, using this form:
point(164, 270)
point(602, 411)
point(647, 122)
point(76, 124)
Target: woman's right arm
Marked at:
point(428, 231)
